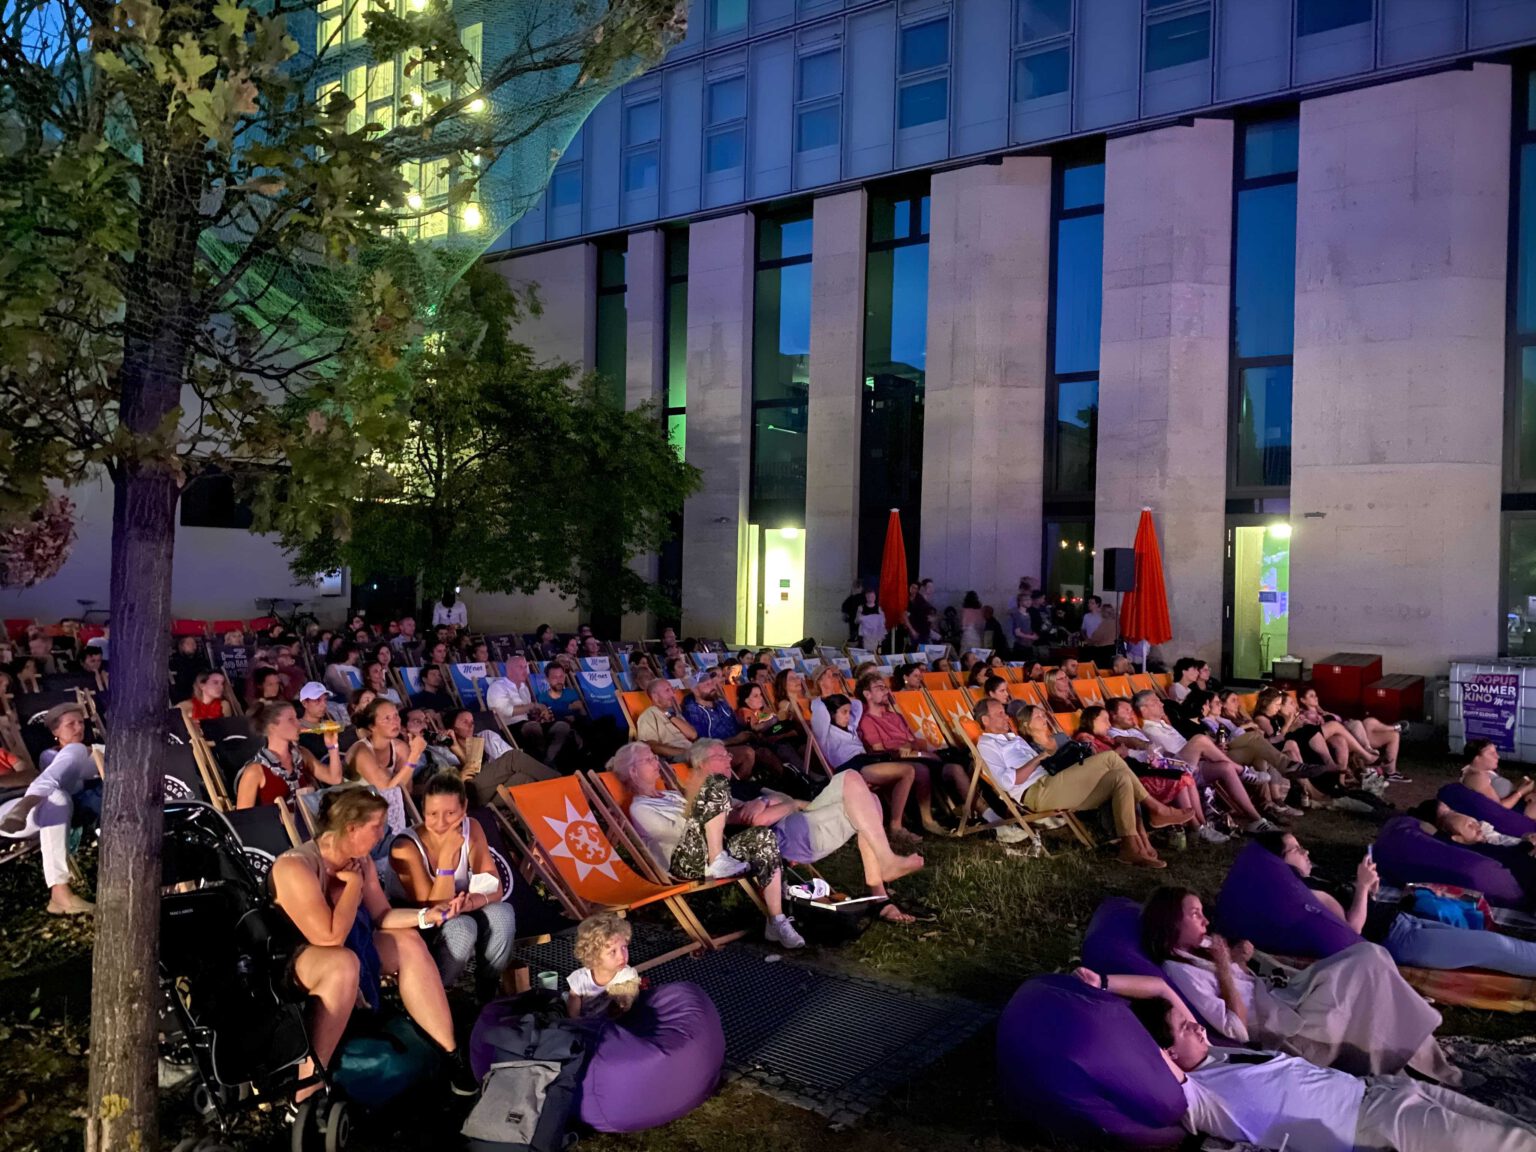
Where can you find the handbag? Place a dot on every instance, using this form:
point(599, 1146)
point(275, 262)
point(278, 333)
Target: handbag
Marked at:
point(1073, 753)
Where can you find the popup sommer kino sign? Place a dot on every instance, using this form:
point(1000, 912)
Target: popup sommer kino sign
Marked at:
point(1490, 704)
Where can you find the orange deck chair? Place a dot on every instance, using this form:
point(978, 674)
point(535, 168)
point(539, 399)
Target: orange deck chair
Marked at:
point(970, 732)
point(1116, 686)
point(1089, 691)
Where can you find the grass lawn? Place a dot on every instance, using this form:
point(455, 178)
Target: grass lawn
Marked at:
point(1001, 919)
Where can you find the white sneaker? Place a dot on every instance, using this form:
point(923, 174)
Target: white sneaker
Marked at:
point(1211, 836)
point(1260, 825)
point(1256, 776)
point(1012, 834)
point(990, 817)
point(780, 931)
point(724, 866)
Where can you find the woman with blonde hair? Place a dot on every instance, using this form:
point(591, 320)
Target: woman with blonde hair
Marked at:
point(281, 769)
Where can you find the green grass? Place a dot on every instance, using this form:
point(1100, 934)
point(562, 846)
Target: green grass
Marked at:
point(1001, 918)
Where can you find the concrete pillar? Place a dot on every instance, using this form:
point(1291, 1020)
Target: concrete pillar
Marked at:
point(644, 365)
point(1401, 251)
point(1163, 373)
point(720, 257)
point(566, 280)
point(835, 414)
point(983, 452)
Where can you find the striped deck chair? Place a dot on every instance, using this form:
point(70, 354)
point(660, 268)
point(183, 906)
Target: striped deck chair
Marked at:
point(572, 854)
point(970, 732)
point(1089, 691)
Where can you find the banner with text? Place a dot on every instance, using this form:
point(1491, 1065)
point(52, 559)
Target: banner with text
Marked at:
point(1490, 704)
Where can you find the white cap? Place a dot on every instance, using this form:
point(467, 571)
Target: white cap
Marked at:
point(314, 690)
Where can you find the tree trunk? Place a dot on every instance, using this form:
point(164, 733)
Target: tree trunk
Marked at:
point(125, 980)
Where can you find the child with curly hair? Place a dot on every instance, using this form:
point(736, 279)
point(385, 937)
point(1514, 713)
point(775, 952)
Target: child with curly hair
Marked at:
point(605, 984)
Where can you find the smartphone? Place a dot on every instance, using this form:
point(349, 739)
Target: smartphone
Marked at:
point(1370, 852)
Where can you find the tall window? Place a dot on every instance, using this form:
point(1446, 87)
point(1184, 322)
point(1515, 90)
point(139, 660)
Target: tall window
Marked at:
point(1042, 62)
point(1072, 393)
point(781, 354)
point(725, 134)
point(669, 568)
point(922, 94)
point(1177, 33)
point(819, 100)
point(1263, 308)
point(642, 131)
point(895, 357)
point(1519, 577)
point(612, 319)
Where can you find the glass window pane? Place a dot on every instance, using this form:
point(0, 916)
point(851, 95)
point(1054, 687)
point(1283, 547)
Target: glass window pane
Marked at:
point(642, 122)
point(1525, 258)
point(1042, 74)
point(778, 459)
point(923, 103)
point(1079, 293)
point(1042, 19)
point(1326, 15)
point(640, 171)
point(1530, 102)
point(1154, 5)
point(818, 128)
point(727, 100)
point(677, 253)
point(677, 433)
point(565, 188)
point(727, 15)
point(925, 46)
point(1265, 276)
point(612, 265)
point(677, 346)
point(1076, 433)
point(724, 151)
point(896, 312)
point(1520, 585)
point(1269, 148)
point(612, 321)
point(1068, 558)
point(1264, 428)
point(821, 75)
point(783, 238)
point(1182, 40)
point(781, 337)
point(1527, 403)
point(922, 216)
point(1082, 186)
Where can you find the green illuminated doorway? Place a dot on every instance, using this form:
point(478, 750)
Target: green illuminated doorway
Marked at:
point(1258, 596)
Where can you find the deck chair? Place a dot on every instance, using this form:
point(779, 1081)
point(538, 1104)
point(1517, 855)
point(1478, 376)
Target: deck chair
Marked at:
point(1116, 686)
point(572, 854)
point(599, 690)
point(1249, 701)
point(970, 732)
point(1143, 682)
point(469, 682)
point(921, 717)
point(268, 829)
point(1067, 721)
point(812, 748)
point(1089, 691)
point(633, 703)
point(1162, 681)
point(183, 773)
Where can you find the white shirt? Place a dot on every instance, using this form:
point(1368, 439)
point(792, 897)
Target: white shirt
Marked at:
point(1284, 1102)
point(1195, 978)
point(1178, 691)
point(594, 996)
point(509, 700)
point(839, 744)
point(457, 616)
point(1091, 622)
point(1163, 736)
point(1005, 754)
point(1131, 734)
point(495, 746)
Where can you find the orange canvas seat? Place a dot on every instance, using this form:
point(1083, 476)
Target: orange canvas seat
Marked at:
point(920, 716)
point(1088, 691)
point(633, 704)
point(1142, 682)
point(970, 733)
point(1116, 686)
point(1067, 721)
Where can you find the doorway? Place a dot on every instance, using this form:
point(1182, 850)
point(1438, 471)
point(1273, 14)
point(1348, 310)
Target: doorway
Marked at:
point(1258, 597)
point(775, 585)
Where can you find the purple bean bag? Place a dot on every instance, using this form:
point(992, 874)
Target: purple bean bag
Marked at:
point(1264, 901)
point(1074, 1061)
point(656, 1063)
point(1508, 821)
point(1405, 853)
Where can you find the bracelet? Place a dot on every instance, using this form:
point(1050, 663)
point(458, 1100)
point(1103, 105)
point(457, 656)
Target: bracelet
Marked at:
point(447, 871)
point(421, 919)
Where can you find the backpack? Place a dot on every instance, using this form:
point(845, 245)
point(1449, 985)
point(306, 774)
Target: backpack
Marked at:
point(531, 1094)
point(382, 1059)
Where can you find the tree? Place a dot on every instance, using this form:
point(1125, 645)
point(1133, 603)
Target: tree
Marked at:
point(203, 261)
point(515, 474)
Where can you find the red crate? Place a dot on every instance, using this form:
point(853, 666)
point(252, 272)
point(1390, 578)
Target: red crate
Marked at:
point(1340, 680)
point(1395, 698)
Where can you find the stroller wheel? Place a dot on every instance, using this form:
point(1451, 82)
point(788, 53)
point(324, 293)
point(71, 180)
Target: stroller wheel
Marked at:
point(304, 1119)
point(338, 1127)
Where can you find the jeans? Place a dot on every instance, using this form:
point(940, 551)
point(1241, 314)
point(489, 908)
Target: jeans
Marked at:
point(1423, 943)
point(485, 936)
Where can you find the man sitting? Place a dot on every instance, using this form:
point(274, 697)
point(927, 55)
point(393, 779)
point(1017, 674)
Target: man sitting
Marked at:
point(70, 778)
point(1283, 1102)
point(1018, 768)
point(709, 715)
point(1210, 764)
point(432, 695)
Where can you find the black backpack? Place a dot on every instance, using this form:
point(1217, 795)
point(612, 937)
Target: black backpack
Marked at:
point(531, 1095)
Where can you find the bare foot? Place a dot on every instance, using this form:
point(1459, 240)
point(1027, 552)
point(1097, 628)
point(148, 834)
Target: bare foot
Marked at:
point(900, 866)
point(934, 828)
point(894, 915)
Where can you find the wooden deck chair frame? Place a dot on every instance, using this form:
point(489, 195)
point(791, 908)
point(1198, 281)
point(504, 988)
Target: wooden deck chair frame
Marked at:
point(577, 906)
point(812, 745)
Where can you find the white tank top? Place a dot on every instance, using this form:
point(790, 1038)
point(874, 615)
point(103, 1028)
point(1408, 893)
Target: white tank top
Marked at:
point(460, 873)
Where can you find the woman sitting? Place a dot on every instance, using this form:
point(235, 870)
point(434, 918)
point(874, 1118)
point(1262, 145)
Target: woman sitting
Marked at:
point(1060, 695)
point(1313, 721)
point(1174, 787)
point(685, 833)
point(382, 759)
point(774, 738)
point(376, 680)
point(444, 865)
point(835, 724)
point(351, 936)
point(1481, 774)
point(1352, 1010)
point(207, 701)
point(281, 769)
point(1409, 939)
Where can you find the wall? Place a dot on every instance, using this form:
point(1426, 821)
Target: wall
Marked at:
point(1163, 364)
point(1401, 255)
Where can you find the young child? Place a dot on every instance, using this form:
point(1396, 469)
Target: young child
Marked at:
point(606, 984)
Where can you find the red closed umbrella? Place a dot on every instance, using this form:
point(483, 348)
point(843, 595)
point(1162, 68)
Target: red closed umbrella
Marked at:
point(1144, 613)
point(893, 573)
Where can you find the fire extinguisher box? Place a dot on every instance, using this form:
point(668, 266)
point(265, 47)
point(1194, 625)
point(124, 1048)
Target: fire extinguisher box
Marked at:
point(1340, 680)
point(1395, 698)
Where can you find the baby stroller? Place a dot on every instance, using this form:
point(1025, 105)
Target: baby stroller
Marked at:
point(228, 1010)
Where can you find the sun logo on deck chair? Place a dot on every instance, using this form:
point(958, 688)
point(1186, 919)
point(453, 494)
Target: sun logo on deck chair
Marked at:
point(582, 842)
